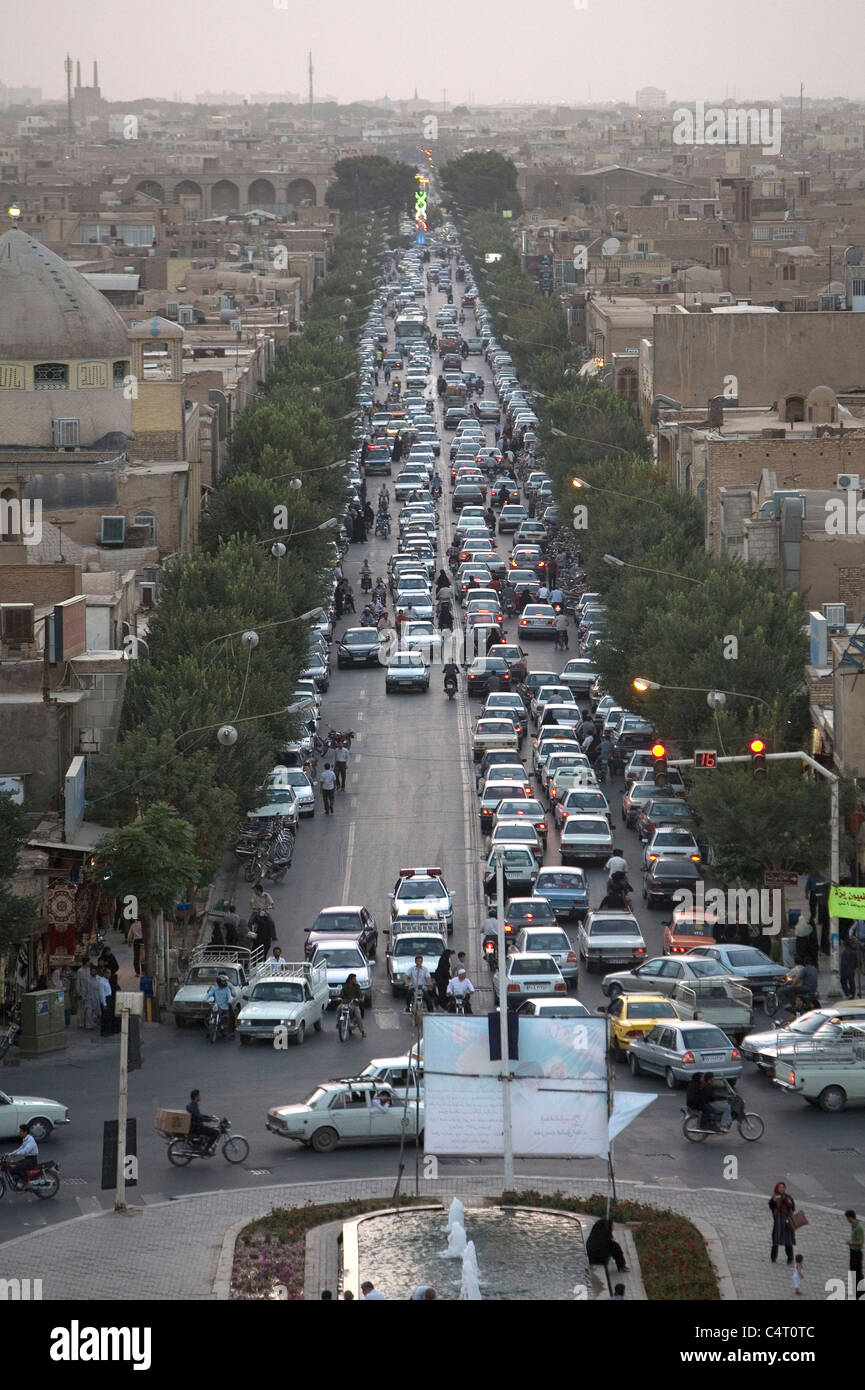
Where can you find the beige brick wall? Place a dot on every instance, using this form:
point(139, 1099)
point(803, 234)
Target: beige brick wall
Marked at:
point(39, 584)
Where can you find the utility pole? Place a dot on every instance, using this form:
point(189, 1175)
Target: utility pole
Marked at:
point(129, 1004)
point(508, 1146)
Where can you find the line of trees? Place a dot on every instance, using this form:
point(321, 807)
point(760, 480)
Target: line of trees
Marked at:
point(173, 792)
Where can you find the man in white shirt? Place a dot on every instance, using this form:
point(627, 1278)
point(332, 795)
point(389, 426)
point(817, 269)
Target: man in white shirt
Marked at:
point(617, 863)
point(341, 758)
point(461, 987)
point(327, 782)
point(276, 959)
point(370, 1292)
point(26, 1155)
point(419, 978)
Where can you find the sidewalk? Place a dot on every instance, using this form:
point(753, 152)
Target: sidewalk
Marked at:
point(172, 1250)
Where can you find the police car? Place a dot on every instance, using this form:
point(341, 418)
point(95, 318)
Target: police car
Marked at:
point(421, 894)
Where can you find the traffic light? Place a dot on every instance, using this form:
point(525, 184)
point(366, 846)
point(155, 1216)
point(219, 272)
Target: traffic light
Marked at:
point(758, 757)
point(659, 754)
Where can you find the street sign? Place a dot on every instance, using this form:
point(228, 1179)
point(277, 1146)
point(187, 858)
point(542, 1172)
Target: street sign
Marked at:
point(779, 878)
point(705, 757)
point(506, 212)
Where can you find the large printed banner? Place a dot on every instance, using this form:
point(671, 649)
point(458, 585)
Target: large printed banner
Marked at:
point(559, 1105)
point(847, 902)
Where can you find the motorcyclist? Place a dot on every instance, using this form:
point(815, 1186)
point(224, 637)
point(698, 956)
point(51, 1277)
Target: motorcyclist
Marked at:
point(352, 994)
point(718, 1100)
point(24, 1157)
point(365, 575)
point(383, 497)
point(618, 895)
point(450, 672)
point(419, 978)
point(205, 1125)
point(367, 617)
point(436, 486)
point(460, 987)
point(223, 995)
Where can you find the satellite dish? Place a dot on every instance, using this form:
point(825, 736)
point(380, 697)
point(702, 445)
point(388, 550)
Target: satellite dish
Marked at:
point(610, 246)
point(853, 255)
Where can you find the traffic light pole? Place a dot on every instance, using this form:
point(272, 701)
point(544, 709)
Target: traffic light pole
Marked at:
point(834, 840)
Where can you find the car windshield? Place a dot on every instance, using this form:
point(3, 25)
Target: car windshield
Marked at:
point(206, 974)
point(548, 941)
point(341, 957)
point(420, 888)
point(418, 946)
point(362, 638)
point(553, 879)
point(671, 868)
point(278, 991)
point(668, 810)
point(674, 837)
point(412, 660)
point(645, 1009)
point(748, 955)
point(530, 809)
point(705, 1037)
point(576, 826)
point(295, 776)
point(515, 830)
point(537, 965)
point(614, 926)
point(337, 921)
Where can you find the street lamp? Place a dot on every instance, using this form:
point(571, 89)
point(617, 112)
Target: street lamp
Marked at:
point(642, 683)
point(650, 569)
point(630, 496)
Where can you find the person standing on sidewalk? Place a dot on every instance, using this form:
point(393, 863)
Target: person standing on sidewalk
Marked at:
point(782, 1206)
point(854, 1245)
point(341, 761)
point(106, 1013)
point(134, 938)
point(327, 782)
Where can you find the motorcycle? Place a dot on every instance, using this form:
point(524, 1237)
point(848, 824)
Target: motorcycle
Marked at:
point(491, 950)
point(450, 686)
point(345, 1022)
point(338, 738)
point(749, 1125)
point(217, 1024)
point(429, 407)
point(365, 581)
point(459, 1004)
point(42, 1177)
point(382, 525)
point(183, 1148)
point(279, 857)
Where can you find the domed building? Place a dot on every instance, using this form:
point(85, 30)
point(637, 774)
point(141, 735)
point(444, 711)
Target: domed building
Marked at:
point(64, 354)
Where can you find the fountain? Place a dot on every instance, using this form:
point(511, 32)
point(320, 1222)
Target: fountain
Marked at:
point(456, 1242)
point(470, 1285)
point(456, 1214)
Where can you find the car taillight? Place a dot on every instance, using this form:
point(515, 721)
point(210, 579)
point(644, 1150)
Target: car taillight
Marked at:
point(542, 826)
point(792, 1078)
point(572, 959)
point(688, 1059)
point(513, 989)
point(561, 987)
point(641, 950)
point(524, 622)
point(565, 815)
point(734, 1055)
point(652, 858)
point(634, 1033)
point(695, 858)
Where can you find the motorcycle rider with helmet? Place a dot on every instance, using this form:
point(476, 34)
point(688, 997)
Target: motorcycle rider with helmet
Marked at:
point(222, 994)
point(451, 672)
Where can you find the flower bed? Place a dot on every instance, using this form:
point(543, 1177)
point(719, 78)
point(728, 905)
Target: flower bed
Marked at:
point(270, 1254)
point(674, 1262)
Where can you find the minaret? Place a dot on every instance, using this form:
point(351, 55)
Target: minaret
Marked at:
point(78, 77)
point(70, 126)
point(95, 79)
point(311, 102)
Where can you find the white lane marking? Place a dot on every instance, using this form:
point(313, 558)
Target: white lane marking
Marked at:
point(349, 855)
point(359, 714)
point(355, 777)
point(361, 692)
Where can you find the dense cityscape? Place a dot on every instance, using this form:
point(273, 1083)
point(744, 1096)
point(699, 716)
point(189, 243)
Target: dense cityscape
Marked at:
point(431, 624)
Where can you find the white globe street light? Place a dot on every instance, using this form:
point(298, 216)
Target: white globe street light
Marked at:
point(227, 735)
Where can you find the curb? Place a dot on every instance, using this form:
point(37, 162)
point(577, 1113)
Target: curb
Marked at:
point(225, 1263)
point(717, 1257)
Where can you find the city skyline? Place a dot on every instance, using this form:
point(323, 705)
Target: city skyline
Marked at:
point(739, 51)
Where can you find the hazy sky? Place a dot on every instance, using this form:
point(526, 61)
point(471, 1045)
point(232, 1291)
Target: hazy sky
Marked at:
point(483, 50)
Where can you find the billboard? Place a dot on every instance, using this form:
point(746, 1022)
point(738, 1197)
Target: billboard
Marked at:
point(70, 628)
point(559, 1098)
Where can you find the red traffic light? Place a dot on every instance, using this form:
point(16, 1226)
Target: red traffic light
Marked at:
point(659, 751)
point(756, 745)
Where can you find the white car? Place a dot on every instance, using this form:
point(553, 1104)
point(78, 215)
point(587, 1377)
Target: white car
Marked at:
point(493, 733)
point(40, 1114)
point(528, 974)
point(422, 636)
point(342, 1112)
point(668, 842)
point(298, 781)
point(420, 894)
point(517, 832)
point(417, 601)
point(407, 671)
point(585, 837)
point(340, 959)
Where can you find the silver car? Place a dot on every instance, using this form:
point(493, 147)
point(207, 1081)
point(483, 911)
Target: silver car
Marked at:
point(677, 1051)
point(661, 974)
point(611, 938)
point(340, 959)
point(550, 941)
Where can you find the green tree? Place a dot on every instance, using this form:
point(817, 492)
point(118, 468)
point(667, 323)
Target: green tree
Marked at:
point(370, 183)
point(483, 179)
point(152, 860)
point(779, 822)
point(18, 914)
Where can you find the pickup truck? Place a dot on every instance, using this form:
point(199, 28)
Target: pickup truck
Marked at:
point(830, 1075)
point(722, 1002)
point(190, 1004)
point(290, 996)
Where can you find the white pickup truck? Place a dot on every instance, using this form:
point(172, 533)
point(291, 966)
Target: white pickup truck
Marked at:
point(285, 1000)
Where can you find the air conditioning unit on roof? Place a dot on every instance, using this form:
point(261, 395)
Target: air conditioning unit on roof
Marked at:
point(848, 482)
